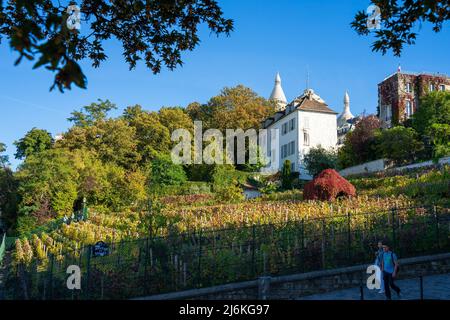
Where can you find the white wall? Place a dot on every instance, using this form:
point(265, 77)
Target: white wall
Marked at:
point(322, 131)
point(368, 167)
point(381, 165)
point(284, 139)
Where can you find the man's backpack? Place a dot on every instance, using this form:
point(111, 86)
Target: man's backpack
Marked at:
point(398, 265)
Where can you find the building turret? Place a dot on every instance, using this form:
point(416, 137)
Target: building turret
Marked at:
point(278, 94)
point(346, 114)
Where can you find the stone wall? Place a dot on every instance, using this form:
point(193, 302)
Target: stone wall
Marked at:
point(368, 167)
point(297, 285)
point(382, 165)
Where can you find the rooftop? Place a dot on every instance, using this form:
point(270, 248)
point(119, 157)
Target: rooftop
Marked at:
point(418, 74)
point(308, 101)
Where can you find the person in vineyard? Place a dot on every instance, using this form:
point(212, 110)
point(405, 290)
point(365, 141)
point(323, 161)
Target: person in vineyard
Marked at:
point(389, 267)
point(378, 261)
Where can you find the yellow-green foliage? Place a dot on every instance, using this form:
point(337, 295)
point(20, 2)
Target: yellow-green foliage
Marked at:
point(429, 186)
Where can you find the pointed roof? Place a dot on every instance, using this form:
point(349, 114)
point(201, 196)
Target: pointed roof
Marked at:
point(277, 92)
point(346, 98)
point(346, 113)
point(308, 101)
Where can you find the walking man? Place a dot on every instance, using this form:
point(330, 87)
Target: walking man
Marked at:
point(378, 262)
point(389, 266)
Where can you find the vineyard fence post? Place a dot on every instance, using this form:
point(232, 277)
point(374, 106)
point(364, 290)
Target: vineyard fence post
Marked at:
point(349, 237)
point(88, 270)
point(253, 250)
point(323, 244)
point(50, 278)
point(436, 219)
point(302, 251)
point(23, 277)
point(393, 212)
point(199, 267)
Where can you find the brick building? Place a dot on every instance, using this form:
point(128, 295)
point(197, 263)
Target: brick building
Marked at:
point(399, 94)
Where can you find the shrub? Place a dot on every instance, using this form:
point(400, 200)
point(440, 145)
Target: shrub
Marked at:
point(226, 184)
point(165, 173)
point(328, 185)
point(399, 144)
point(286, 176)
point(319, 159)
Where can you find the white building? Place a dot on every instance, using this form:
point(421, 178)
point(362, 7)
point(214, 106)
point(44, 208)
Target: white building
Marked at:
point(304, 123)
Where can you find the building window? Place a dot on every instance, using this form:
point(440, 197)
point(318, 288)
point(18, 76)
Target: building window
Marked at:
point(284, 151)
point(442, 87)
point(408, 87)
point(306, 138)
point(409, 109)
point(292, 124)
point(292, 147)
point(293, 167)
point(284, 129)
point(388, 113)
point(432, 87)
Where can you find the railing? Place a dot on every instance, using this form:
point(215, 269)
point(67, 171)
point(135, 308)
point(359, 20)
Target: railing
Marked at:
point(207, 258)
point(416, 294)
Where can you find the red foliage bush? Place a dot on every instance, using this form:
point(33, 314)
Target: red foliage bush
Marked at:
point(328, 185)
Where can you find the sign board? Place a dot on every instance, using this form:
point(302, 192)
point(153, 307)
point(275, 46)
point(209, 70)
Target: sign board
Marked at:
point(100, 249)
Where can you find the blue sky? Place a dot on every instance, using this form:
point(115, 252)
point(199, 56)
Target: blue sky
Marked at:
point(288, 36)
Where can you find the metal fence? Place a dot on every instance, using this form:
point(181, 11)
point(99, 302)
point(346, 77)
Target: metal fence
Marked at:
point(2, 248)
point(207, 258)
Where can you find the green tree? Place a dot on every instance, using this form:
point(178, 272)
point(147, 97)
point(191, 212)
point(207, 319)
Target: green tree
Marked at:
point(163, 173)
point(345, 156)
point(152, 137)
point(34, 141)
point(398, 20)
point(236, 107)
point(8, 190)
point(174, 118)
point(113, 140)
point(319, 159)
point(156, 32)
point(107, 184)
point(53, 181)
point(48, 184)
point(440, 137)
point(399, 144)
point(286, 175)
point(95, 112)
point(225, 184)
point(434, 109)
point(360, 144)
point(4, 160)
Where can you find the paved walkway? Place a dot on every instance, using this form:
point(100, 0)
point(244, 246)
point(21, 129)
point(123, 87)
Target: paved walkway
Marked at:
point(434, 287)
